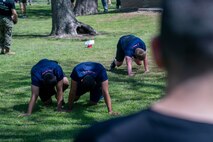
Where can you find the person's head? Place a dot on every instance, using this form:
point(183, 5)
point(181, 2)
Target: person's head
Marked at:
point(185, 44)
point(49, 79)
point(88, 83)
point(140, 54)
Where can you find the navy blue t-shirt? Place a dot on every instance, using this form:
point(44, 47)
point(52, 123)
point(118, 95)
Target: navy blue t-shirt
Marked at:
point(42, 67)
point(96, 70)
point(6, 6)
point(148, 126)
point(129, 43)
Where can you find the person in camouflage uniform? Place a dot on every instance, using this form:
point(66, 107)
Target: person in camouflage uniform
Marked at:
point(8, 17)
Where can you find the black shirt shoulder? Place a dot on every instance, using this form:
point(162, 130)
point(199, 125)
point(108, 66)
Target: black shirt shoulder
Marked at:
point(148, 126)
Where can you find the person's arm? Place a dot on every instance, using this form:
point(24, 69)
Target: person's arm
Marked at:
point(145, 63)
point(14, 16)
point(34, 96)
point(107, 98)
point(129, 65)
point(60, 94)
point(72, 94)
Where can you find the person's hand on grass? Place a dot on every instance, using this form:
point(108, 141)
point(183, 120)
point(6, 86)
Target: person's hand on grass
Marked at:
point(113, 113)
point(24, 114)
point(147, 71)
point(131, 74)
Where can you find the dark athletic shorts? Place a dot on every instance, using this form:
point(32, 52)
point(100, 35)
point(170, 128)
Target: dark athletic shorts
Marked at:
point(95, 94)
point(46, 93)
point(120, 52)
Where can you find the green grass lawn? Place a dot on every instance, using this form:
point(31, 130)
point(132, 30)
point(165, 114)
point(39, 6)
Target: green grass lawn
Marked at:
point(31, 43)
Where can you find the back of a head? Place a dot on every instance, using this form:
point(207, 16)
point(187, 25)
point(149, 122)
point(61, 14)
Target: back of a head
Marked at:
point(140, 54)
point(49, 79)
point(187, 33)
point(88, 83)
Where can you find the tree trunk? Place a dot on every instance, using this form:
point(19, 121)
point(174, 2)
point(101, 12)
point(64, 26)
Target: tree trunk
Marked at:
point(64, 22)
point(86, 7)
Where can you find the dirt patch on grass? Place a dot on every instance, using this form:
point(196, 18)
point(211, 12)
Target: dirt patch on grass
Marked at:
point(150, 13)
point(129, 15)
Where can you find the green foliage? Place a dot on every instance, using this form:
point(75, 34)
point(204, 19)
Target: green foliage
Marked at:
point(31, 43)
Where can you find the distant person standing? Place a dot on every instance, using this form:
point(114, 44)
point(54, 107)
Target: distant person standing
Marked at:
point(118, 4)
point(23, 7)
point(8, 17)
point(105, 5)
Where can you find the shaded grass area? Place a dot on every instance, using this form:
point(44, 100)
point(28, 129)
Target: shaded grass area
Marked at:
point(32, 43)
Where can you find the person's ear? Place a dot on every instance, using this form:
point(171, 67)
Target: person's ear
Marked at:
point(157, 54)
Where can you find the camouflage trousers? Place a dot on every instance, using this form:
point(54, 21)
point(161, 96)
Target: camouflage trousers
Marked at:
point(6, 26)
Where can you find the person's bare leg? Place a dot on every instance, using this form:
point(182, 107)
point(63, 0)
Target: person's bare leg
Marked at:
point(114, 64)
point(65, 83)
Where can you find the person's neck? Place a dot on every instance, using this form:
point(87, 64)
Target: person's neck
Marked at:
point(192, 100)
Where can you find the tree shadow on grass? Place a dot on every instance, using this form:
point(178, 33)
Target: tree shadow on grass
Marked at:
point(22, 108)
point(19, 36)
point(34, 135)
point(123, 70)
point(78, 122)
point(38, 12)
point(15, 85)
point(118, 71)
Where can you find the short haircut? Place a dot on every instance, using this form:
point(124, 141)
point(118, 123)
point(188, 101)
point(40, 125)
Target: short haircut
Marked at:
point(187, 33)
point(88, 83)
point(49, 79)
point(140, 54)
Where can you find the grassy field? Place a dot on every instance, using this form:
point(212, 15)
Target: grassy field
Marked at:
point(31, 43)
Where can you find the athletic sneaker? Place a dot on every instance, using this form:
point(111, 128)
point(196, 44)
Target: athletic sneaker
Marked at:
point(6, 51)
point(113, 65)
point(9, 53)
point(105, 10)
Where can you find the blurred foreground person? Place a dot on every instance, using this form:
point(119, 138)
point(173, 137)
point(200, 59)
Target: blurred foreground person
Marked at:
point(184, 49)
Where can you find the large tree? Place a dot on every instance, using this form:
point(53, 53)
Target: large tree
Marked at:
point(64, 22)
point(86, 7)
